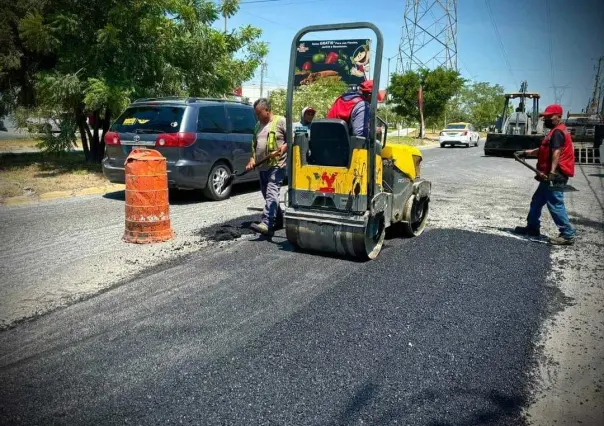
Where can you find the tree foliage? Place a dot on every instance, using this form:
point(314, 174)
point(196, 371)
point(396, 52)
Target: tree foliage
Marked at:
point(438, 86)
point(479, 103)
point(320, 95)
point(388, 113)
point(77, 59)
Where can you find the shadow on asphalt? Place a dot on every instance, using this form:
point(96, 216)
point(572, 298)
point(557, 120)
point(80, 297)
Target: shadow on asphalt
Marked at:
point(578, 219)
point(511, 231)
point(503, 406)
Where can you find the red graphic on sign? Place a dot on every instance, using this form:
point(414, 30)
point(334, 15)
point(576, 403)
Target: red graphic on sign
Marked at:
point(328, 180)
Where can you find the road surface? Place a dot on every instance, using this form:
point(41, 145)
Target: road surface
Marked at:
point(451, 328)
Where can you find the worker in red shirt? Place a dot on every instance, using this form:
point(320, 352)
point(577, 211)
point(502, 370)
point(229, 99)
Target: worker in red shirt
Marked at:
point(353, 108)
point(556, 164)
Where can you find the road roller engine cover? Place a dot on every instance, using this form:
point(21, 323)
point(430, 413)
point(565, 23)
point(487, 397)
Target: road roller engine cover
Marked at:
point(344, 190)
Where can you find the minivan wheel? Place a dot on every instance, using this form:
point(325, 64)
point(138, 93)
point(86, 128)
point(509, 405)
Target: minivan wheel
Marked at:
point(214, 188)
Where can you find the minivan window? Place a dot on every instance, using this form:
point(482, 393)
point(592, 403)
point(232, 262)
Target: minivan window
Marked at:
point(243, 120)
point(212, 119)
point(150, 119)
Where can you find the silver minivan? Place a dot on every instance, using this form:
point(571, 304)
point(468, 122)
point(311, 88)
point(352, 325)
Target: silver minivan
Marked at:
point(204, 141)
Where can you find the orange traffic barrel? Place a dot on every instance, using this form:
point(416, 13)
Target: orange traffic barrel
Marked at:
point(147, 203)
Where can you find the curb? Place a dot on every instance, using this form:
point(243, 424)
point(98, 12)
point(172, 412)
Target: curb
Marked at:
point(433, 145)
point(58, 195)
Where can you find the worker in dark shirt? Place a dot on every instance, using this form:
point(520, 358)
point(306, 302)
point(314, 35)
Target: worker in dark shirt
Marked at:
point(556, 164)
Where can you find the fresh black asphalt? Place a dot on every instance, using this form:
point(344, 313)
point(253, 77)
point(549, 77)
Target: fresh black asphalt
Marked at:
point(438, 330)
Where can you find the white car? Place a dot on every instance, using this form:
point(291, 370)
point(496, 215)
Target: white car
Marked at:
point(459, 134)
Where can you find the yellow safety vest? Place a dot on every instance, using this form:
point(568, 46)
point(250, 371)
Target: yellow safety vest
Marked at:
point(271, 143)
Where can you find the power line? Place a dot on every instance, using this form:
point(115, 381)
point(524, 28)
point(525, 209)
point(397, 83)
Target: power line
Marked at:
point(494, 24)
point(268, 20)
point(463, 65)
point(558, 90)
point(551, 55)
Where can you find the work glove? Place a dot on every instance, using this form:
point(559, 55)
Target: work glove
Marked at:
point(554, 177)
point(542, 177)
point(521, 154)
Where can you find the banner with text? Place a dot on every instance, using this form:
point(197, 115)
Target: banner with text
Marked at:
point(348, 59)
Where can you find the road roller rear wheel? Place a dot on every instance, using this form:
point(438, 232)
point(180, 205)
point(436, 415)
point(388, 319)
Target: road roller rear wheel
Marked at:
point(415, 215)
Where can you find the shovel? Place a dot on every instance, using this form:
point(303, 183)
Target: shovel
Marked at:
point(520, 160)
point(537, 172)
point(232, 176)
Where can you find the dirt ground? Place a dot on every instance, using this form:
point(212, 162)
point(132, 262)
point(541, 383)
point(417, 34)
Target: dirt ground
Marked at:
point(18, 145)
point(34, 173)
point(406, 140)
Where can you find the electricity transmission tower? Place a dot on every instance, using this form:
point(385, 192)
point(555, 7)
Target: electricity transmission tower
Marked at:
point(429, 35)
point(559, 93)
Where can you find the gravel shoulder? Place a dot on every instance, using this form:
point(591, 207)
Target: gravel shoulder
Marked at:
point(571, 369)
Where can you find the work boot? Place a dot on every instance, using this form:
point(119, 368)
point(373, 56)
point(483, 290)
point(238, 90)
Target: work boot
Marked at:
point(261, 228)
point(525, 230)
point(562, 241)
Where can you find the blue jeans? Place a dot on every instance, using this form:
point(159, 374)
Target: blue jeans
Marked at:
point(270, 185)
point(554, 198)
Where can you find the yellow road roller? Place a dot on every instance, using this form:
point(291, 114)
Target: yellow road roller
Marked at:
point(345, 191)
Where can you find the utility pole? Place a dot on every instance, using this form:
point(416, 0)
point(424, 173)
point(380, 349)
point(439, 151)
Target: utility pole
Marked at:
point(262, 69)
point(387, 86)
point(592, 108)
point(602, 104)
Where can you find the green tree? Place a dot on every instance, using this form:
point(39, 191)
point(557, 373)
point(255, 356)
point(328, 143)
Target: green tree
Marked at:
point(388, 113)
point(455, 110)
point(484, 103)
point(438, 87)
point(74, 59)
point(320, 95)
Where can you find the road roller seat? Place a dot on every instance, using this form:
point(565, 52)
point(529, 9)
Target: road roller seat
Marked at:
point(405, 158)
point(329, 143)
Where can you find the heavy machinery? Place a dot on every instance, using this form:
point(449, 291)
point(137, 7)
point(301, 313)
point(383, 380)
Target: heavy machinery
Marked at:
point(517, 130)
point(345, 191)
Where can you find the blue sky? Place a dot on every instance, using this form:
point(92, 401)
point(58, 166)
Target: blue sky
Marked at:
point(577, 35)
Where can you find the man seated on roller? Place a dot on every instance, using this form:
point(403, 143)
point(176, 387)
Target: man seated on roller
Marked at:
point(353, 108)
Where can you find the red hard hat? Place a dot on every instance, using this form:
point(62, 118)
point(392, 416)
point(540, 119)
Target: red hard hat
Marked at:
point(551, 110)
point(367, 86)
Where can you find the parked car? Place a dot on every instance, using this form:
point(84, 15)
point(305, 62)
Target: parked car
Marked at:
point(204, 141)
point(459, 134)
